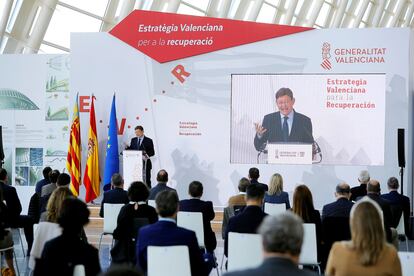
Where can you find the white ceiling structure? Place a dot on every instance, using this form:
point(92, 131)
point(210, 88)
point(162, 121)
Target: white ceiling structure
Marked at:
point(44, 26)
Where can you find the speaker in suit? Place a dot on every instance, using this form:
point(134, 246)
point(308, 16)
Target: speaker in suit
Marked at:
point(206, 208)
point(114, 196)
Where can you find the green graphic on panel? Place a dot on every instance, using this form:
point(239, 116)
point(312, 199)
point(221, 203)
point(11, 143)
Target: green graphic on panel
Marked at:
point(14, 100)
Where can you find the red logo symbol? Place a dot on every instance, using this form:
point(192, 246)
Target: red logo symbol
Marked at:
point(326, 56)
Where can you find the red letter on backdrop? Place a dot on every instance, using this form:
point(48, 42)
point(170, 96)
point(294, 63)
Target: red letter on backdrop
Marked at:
point(122, 127)
point(179, 72)
point(84, 103)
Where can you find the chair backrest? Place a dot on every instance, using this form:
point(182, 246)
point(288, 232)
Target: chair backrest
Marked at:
point(151, 203)
point(309, 253)
point(401, 226)
point(407, 263)
point(111, 212)
point(244, 251)
point(274, 209)
point(79, 270)
point(168, 260)
point(192, 221)
point(335, 229)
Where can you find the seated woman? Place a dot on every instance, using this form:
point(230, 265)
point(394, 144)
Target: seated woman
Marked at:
point(128, 225)
point(61, 254)
point(55, 204)
point(367, 253)
point(275, 194)
point(6, 238)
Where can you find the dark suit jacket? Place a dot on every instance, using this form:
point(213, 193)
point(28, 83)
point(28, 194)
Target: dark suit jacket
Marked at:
point(13, 203)
point(166, 233)
point(386, 210)
point(358, 192)
point(246, 222)
point(146, 145)
point(114, 196)
point(206, 208)
point(301, 131)
point(265, 187)
point(403, 201)
point(40, 184)
point(283, 197)
point(273, 266)
point(340, 208)
point(158, 188)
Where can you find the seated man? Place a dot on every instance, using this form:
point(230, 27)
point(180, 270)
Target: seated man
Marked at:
point(342, 206)
point(240, 200)
point(117, 194)
point(360, 191)
point(165, 232)
point(195, 204)
point(254, 175)
point(251, 217)
point(63, 180)
point(44, 181)
point(162, 179)
point(49, 188)
point(282, 241)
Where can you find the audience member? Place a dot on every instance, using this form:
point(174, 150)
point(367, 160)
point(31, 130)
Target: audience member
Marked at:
point(121, 270)
point(360, 191)
point(49, 188)
point(60, 255)
point(282, 238)
point(14, 207)
point(367, 253)
point(342, 206)
point(162, 179)
point(251, 217)
point(275, 194)
point(125, 233)
point(54, 205)
point(43, 181)
point(398, 200)
point(195, 204)
point(6, 238)
point(254, 175)
point(165, 232)
point(240, 199)
point(63, 180)
point(374, 192)
point(117, 194)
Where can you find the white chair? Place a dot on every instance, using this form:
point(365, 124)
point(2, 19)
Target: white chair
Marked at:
point(309, 251)
point(168, 260)
point(14, 256)
point(244, 251)
point(401, 230)
point(407, 263)
point(151, 203)
point(111, 212)
point(79, 270)
point(44, 232)
point(274, 209)
point(192, 221)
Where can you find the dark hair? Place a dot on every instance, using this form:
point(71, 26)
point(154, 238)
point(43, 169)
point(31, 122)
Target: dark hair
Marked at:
point(393, 183)
point(117, 180)
point(63, 179)
point(254, 173)
point(255, 191)
point(138, 191)
point(195, 189)
point(284, 92)
point(3, 174)
point(167, 203)
point(373, 186)
point(139, 127)
point(303, 203)
point(73, 215)
point(53, 176)
point(243, 183)
point(46, 172)
point(121, 270)
point(162, 176)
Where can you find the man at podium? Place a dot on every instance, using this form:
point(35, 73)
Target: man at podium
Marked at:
point(145, 144)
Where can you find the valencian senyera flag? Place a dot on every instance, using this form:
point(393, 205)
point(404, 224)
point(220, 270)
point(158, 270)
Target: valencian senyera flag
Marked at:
point(91, 178)
point(112, 156)
point(73, 161)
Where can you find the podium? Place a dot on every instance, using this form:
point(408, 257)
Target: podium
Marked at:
point(132, 160)
point(289, 153)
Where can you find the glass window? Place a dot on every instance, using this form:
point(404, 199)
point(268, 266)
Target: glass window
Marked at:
point(197, 3)
point(97, 7)
point(64, 21)
point(184, 9)
point(46, 49)
point(266, 14)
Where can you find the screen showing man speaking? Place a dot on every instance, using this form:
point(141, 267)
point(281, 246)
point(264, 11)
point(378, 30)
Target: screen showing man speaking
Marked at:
point(341, 116)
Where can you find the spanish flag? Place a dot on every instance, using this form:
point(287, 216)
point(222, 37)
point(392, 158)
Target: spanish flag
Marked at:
point(73, 161)
point(91, 178)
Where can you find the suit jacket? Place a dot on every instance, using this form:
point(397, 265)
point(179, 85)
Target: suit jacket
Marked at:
point(386, 210)
point(114, 196)
point(340, 208)
point(246, 222)
point(301, 131)
point(158, 188)
point(358, 192)
point(206, 208)
point(146, 145)
point(14, 206)
point(166, 233)
point(48, 189)
point(40, 184)
point(237, 200)
point(283, 197)
point(273, 266)
point(265, 187)
point(403, 201)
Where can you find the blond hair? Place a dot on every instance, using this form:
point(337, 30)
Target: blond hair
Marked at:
point(275, 185)
point(367, 231)
point(54, 204)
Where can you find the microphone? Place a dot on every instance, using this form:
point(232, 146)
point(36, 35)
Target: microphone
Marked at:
point(261, 150)
point(316, 153)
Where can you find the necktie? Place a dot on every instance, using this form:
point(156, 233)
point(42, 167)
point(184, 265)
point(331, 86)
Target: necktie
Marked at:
point(285, 129)
point(139, 142)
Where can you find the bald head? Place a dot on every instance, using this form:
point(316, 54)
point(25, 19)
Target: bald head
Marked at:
point(343, 190)
point(373, 187)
